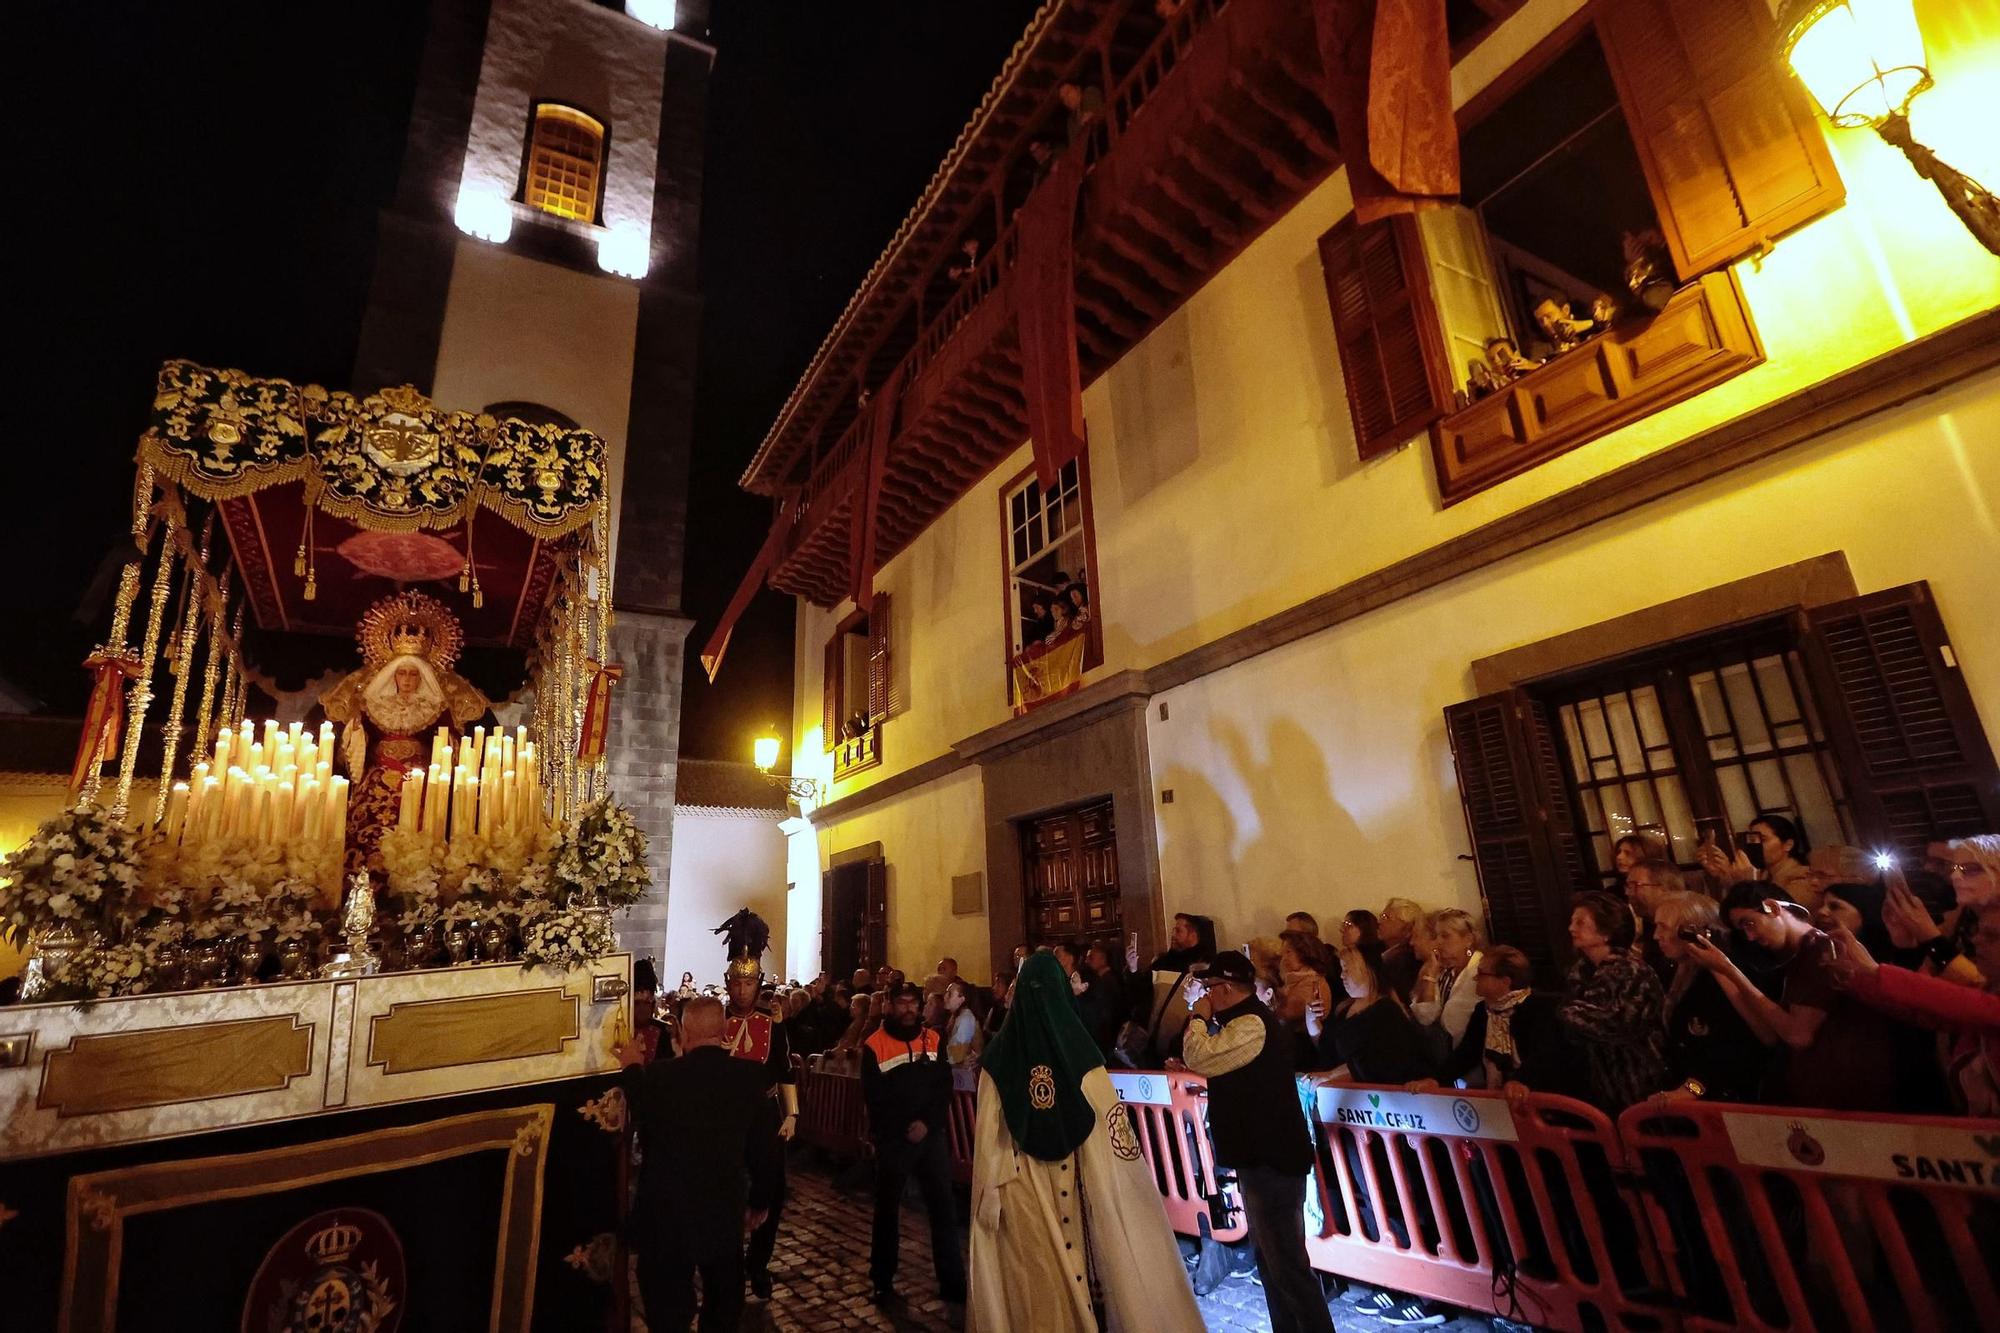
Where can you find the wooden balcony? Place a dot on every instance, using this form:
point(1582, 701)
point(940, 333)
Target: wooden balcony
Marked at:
point(1215, 127)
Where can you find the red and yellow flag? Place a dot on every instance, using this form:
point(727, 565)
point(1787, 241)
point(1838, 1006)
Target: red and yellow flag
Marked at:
point(597, 711)
point(101, 730)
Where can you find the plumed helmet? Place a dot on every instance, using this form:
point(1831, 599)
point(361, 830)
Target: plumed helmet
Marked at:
point(747, 936)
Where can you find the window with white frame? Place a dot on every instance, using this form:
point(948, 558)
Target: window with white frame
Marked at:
point(1048, 561)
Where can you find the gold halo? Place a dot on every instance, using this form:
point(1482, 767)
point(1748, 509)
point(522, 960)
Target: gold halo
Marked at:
point(377, 631)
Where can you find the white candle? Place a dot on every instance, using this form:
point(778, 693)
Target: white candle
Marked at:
point(177, 801)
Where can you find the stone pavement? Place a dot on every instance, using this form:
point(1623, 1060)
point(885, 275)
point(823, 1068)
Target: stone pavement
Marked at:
point(821, 1267)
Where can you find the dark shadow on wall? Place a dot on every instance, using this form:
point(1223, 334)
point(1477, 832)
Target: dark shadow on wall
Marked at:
point(1288, 862)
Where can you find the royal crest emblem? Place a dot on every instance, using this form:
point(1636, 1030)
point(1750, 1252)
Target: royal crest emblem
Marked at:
point(339, 1271)
point(1041, 1087)
point(1124, 1138)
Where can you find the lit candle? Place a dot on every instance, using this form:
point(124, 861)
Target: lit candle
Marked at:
point(281, 814)
point(294, 732)
point(270, 734)
point(222, 746)
point(232, 797)
point(211, 810)
point(337, 797)
point(177, 802)
point(312, 812)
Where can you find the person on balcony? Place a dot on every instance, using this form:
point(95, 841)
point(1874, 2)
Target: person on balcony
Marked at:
point(1067, 1221)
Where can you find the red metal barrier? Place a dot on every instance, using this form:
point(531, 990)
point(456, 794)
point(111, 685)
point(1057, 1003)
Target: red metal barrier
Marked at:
point(1773, 1219)
point(1170, 1111)
point(1522, 1211)
point(833, 1117)
point(831, 1114)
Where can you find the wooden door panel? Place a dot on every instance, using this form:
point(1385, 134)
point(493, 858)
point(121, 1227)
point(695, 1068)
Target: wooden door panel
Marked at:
point(1071, 873)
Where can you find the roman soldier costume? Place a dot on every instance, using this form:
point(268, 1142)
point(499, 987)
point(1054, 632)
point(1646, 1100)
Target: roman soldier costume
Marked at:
point(758, 1035)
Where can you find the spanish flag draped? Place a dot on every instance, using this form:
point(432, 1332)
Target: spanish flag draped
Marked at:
point(597, 711)
point(101, 720)
point(1048, 675)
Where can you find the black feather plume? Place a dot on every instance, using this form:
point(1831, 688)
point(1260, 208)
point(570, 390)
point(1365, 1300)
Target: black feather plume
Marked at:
point(746, 934)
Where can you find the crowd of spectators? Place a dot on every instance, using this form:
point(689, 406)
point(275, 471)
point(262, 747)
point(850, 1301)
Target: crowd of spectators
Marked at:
point(1814, 978)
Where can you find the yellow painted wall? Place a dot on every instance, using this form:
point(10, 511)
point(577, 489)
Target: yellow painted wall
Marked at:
point(22, 809)
point(1226, 489)
point(1318, 775)
point(928, 836)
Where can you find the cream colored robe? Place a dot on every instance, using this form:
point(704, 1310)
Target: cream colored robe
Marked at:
point(1029, 1270)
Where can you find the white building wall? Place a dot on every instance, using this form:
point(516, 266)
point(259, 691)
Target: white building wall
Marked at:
point(723, 861)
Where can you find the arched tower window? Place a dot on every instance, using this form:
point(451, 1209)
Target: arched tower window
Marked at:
point(565, 161)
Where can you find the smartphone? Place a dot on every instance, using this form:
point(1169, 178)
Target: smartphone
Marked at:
point(1752, 847)
point(1714, 831)
point(1693, 933)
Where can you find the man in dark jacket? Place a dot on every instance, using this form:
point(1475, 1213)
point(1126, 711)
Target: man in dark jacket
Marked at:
point(1156, 991)
point(907, 1085)
point(1260, 1130)
point(694, 1116)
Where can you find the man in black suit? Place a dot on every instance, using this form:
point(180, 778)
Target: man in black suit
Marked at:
point(694, 1116)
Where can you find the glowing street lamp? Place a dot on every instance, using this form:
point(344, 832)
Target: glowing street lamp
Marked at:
point(765, 750)
point(1863, 62)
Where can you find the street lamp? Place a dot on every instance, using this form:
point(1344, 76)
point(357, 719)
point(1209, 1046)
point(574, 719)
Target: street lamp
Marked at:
point(765, 751)
point(1863, 62)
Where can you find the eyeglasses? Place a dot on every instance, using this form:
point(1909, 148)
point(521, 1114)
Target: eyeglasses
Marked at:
point(1966, 868)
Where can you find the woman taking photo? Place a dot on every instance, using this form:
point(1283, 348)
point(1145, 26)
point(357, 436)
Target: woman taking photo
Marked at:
point(1711, 1051)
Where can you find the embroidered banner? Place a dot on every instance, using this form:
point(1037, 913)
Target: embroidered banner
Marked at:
point(1045, 304)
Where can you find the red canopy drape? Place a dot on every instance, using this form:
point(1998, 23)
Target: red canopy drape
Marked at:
point(1388, 80)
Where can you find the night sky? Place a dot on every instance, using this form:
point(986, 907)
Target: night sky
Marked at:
point(201, 180)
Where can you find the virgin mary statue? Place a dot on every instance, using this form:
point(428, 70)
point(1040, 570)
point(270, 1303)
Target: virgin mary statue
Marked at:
point(388, 709)
point(1068, 1232)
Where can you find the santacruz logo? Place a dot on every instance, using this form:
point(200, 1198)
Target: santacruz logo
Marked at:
point(1372, 1116)
point(1041, 1087)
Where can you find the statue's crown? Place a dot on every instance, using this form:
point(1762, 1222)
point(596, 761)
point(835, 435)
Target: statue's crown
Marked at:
point(410, 637)
point(334, 1243)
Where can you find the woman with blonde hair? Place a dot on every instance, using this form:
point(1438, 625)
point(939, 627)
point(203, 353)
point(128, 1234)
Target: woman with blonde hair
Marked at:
point(1947, 945)
point(1438, 999)
point(1396, 926)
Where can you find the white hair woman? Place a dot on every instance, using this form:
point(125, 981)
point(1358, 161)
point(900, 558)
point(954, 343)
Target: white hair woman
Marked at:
point(1711, 1051)
point(1454, 955)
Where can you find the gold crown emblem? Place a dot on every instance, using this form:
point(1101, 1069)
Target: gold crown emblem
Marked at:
point(334, 1243)
point(410, 637)
point(405, 398)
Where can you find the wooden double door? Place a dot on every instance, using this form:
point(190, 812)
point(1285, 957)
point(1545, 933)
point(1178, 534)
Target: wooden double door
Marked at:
point(1071, 863)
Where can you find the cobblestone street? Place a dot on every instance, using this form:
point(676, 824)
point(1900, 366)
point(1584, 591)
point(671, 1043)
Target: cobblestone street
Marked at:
point(821, 1271)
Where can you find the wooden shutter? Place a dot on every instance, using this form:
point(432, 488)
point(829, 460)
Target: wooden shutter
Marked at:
point(878, 658)
point(875, 917)
point(1917, 764)
point(829, 691)
point(1517, 812)
point(1386, 327)
point(1728, 144)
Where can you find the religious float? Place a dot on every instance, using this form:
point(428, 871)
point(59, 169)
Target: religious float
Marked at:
point(319, 1023)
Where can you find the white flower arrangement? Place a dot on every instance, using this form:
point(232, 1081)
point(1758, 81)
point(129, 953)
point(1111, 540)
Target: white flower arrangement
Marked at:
point(100, 971)
point(81, 869)
point(566, 937)
point(602, 853)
